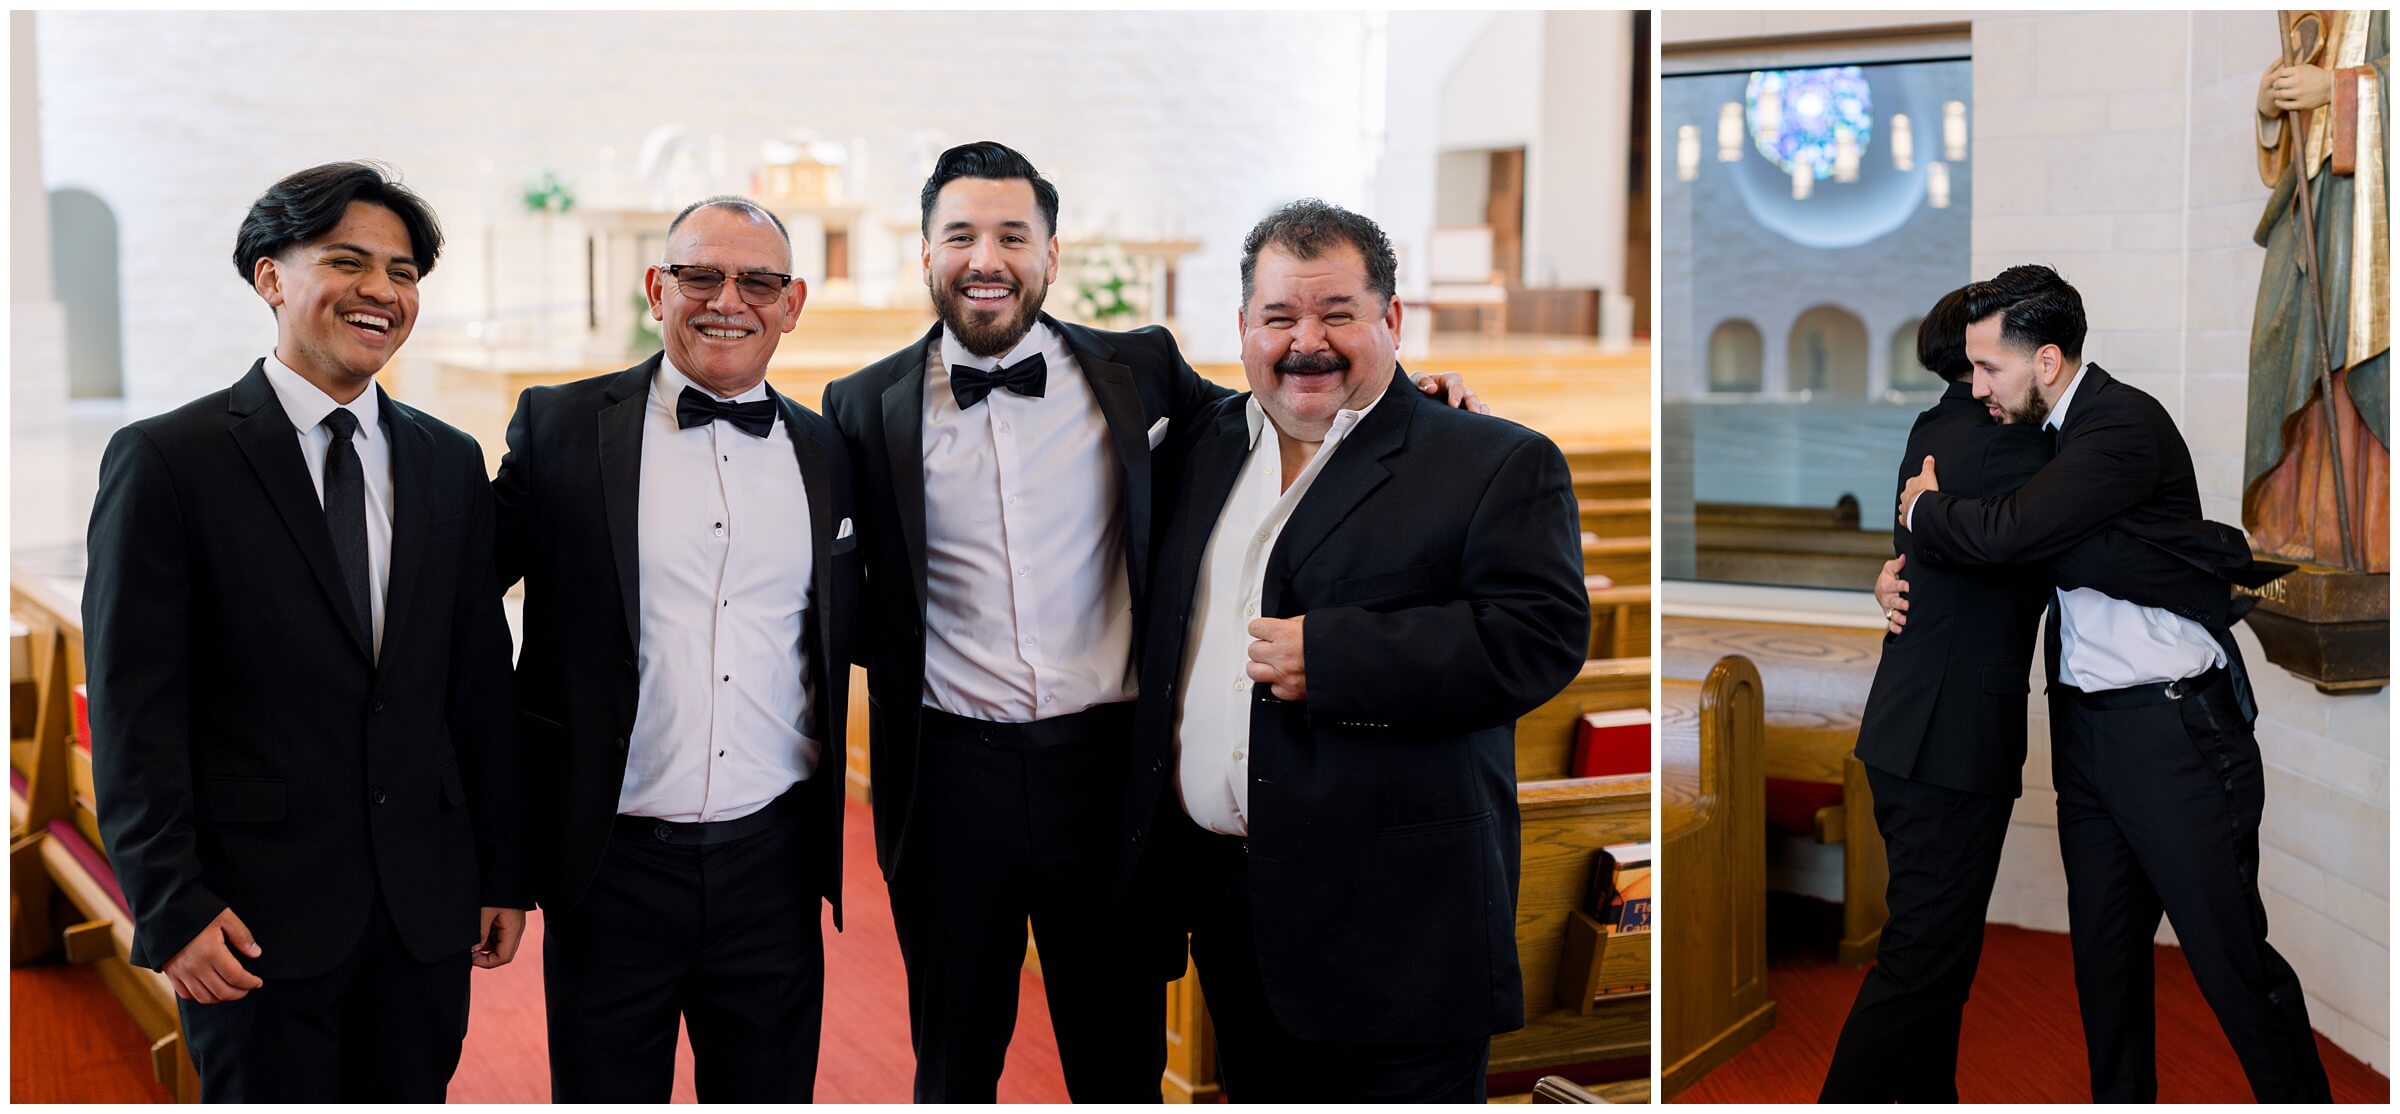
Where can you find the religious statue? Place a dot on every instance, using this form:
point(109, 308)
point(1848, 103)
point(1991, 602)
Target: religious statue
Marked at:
point(2316, 466)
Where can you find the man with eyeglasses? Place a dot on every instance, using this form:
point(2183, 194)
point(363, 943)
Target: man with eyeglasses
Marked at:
point(690, 567)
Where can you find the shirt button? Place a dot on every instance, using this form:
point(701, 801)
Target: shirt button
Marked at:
point(720, 531)
point(1030, 640)
point(1241, 684)
point(1049, 698)
point(729, 676)
point(1004, 427)
point(379, 796)
point(1021, 570)
point(1262, 535)
point(1238, 755)
point(1012, 500)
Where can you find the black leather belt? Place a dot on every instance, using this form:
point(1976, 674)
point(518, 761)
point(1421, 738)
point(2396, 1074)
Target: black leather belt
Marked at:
point(711, 833)
point(1098, 720)
point(2139, 696)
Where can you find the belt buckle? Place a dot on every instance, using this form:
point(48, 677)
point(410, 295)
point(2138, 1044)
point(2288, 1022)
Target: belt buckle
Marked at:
point(2176, 691)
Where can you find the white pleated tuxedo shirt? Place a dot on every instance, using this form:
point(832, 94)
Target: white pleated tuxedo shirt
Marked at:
point(727, 556)
point(1028, 605)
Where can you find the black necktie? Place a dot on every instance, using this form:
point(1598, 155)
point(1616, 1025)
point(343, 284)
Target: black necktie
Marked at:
point(1026, 377)
point(695, 407)
point(346, 513)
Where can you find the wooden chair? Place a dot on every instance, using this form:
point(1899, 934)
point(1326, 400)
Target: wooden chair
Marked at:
point(1712, 872)
point(63, 898)
point(1816, 689)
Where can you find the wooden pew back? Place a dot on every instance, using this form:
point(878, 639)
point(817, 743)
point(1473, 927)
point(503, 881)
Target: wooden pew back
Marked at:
point(1620, 621)
point(1565, 822)
point(1711, 911)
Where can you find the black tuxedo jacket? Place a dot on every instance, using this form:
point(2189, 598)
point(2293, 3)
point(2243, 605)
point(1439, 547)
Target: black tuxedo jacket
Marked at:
point(1439, 566)
point(1139, 377)
point(249, 747)
point(570, 526)
point(2119, 461)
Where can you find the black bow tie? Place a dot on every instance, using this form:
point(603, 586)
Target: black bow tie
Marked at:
point(694, 408)
point(1026, 377)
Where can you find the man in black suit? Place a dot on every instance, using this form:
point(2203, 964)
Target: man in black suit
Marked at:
point(301, 736)
point(1943, 733)
point(1357, 596)
point(1007, 499)
point(690, 573)
point(2159, 779)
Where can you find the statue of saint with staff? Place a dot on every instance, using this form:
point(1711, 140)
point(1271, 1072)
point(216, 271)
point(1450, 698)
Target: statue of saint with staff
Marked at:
point(2316, 466)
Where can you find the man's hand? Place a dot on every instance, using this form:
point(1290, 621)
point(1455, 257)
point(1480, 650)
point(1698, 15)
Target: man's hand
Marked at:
point(1918, 484)
point(205, 971)
point(1275, 658)
point(1891, 593)
point(503, 930)
point(1449, 388)
point(2295, 88)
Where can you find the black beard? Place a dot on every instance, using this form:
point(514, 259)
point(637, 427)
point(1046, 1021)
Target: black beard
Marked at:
point(2036, 409)
point(1299, 364)
point(992, 338)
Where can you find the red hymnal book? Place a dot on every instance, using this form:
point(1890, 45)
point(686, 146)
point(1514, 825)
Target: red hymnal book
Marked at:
point(83, 718)
point(1611, 743)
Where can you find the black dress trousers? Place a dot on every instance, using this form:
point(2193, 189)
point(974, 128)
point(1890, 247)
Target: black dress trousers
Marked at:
point(379, 1027)
point(2159, 803)
point(1023, 825)
point(724, 936)
point(1900, 1042)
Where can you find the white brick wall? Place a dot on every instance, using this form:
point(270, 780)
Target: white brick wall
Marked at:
point(1151, 124)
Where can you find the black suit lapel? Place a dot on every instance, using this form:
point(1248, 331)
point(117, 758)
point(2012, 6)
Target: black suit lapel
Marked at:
point(412, 469)
point(904, 449)
point(267, 439)
point(817, 479)
point(621, 483)
point(1121, 403)
point(1355, 471)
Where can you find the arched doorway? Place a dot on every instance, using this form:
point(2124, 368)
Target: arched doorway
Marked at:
point(1907, 373)
point(1828, 353)
point(1736, 358)
point(83, 275)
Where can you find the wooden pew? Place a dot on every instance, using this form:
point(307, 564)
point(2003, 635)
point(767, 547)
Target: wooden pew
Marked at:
point(1546, 735)
point(1814, 547)
point(1623, 560)
point(1712, 873)
point(62, 895)
point(1614, 518)
point(1612, 482)
point(1816, 681)
point(1620, 620)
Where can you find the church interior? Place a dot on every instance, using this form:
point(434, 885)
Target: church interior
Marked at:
point(1508, 156)
point(1823, 178)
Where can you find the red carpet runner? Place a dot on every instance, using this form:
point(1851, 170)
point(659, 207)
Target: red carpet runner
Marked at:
point(71, 1042)
point(2021, 1041)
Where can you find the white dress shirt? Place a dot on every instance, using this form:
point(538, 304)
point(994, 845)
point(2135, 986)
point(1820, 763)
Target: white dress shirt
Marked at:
point(1212, 708)
point(2108, 643)
point(719, 728)
point(1028, 609)
point(307, 407)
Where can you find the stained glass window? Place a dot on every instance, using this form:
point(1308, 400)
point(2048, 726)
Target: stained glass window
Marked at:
point(1792, 112)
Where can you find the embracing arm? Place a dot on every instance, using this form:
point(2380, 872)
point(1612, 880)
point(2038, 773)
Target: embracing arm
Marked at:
point(137, 618)
point(1514, 640)
point(2109, 468)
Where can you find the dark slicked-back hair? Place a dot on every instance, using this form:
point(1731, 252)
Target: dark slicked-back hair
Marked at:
point(1942, 338)
point(985, 159)
point(739, 205)
point(1309, 228)
point(2036, 307)
point(310, 203)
